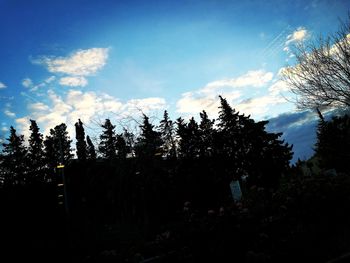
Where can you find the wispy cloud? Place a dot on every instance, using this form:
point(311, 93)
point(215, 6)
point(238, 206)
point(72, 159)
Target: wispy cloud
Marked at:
point(2, 85)
point(299, 35)
point(73, 81)
point(27, 82)
point(9, 113)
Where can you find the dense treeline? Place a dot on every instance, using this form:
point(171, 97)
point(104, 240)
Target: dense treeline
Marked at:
point(241, 145)
point(164, 195)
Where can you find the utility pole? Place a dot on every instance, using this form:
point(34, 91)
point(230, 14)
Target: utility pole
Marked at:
point(62, 182)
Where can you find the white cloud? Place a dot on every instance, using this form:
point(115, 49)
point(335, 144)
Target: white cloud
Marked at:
point(73, 81)
point(27, 82)
point(278, 87)
point(9, 113)
point(81, 63)
point(23, 125)
point(89, 106)
point(2, 85)
point(299, 35)
point(195, 102)
point(39, 106)
point(259, 106)
point(232, 89)
point(255, 78)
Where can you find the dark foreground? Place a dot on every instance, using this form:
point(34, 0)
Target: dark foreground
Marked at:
point(305, 220)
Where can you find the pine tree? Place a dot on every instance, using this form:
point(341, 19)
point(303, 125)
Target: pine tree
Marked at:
point(229, 131)
point(51, 154)
point(129, 138)
point(166, 129)
point(62, 143)
point(149, 141)
point(206, 134)
point(189, 140)
point(333, 143)
point(108, 141)
point(90, 150)
point(57, 146)
point(36, 155)
point(81, 143)
point(121, 147)
point(14, 157)
point(249, 149)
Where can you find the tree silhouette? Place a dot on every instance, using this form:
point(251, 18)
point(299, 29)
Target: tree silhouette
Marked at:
point(81, 143)
point(108, 141)
point(333, 143)
point(166, 129)
point(90, 150)
point(62, 143)
point(188, 138)
point(14, 160)
point(58, 147)
point(248, 150)
point(206, 134)
point(36, 154)
point(121, 147)
point(149, 140)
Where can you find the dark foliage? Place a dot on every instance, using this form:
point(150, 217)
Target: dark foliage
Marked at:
point(37, 165)
point(81, 143)
point(333, 143)
point(90, 150)
point(14, 162)
point(108, 141)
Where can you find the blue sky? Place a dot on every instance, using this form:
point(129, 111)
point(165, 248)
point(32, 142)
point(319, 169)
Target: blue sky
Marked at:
point(64, 60)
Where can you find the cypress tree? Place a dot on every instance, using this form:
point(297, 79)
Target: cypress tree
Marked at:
point(81, 143)
point(90, 151)
point(166, 129)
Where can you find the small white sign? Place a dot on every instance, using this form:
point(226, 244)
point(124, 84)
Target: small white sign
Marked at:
point(236, 190)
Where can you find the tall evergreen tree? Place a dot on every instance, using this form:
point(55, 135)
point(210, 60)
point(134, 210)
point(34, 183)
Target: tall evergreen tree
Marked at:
point(36, 154)
point(121, 147)
point(333, 143)
point(149, 140)
point(249, 149)
point(81, 143)
point(167, 132)
point(90, 150)
point(62, 143)
point(189, 141)
point(14, 157)
point(108, 141)
point(51, 154)
point(206, 134)
point(129, 138)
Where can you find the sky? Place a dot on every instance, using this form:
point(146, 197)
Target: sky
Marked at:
point(64, 60)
